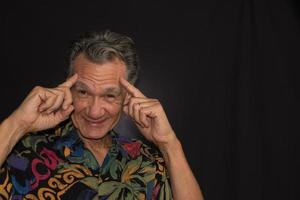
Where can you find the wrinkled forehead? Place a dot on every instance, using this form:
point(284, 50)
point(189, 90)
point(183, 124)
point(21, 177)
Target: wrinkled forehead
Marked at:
point(99, 77)
point(113, 67)
point(94, 87)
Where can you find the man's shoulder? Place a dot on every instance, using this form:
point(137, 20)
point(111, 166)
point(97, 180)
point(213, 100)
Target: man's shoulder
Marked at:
point(142, 157)
point(33, 143)
point(45, 138)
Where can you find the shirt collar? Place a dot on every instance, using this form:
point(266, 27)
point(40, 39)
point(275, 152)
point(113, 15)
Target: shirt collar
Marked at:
point(70, 144)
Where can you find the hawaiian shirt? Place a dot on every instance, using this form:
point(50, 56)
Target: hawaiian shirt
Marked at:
point(54, 164)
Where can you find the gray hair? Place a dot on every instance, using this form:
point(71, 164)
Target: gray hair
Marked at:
point(104, 46)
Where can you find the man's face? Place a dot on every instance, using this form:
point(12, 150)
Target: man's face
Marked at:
point(97, 96)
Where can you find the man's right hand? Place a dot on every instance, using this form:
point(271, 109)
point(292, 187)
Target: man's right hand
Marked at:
point(44, 108)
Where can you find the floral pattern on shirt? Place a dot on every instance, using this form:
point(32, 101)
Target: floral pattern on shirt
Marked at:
point(54, 164)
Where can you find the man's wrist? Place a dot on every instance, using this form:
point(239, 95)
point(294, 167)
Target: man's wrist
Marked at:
point(17, 127)
point(171, 148)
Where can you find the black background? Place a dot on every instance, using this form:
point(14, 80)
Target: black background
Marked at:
point(226, 73)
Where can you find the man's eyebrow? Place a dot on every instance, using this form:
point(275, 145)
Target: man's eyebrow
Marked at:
point(81, 85)
point(113, 90)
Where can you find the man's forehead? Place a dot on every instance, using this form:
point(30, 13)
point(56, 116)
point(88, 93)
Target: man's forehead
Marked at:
point(114, 67)
point(87, 84)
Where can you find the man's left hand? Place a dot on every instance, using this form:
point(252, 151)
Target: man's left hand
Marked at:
point(149, 116)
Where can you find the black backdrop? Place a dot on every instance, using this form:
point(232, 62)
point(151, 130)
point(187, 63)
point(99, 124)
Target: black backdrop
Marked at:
point(225, 71)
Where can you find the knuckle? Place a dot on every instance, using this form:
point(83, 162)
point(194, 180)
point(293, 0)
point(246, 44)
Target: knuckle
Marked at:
point(157, 102)
point(131, 102)
point(158, 105)
point(38, 88)
point(142, 111)
point(62, 88)
point(49, 102)
point(61, 85)
point(59, 91)
point(136, 105)
point(52, 99)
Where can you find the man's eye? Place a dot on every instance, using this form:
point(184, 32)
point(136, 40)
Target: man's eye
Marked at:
point(110, 97)
point(82, 92)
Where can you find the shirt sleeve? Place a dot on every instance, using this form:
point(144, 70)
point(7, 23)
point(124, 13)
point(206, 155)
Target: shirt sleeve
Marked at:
point(162, 188)
point(13, 172)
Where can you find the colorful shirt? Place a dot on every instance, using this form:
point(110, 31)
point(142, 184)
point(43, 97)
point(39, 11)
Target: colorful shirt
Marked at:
point(54, 164)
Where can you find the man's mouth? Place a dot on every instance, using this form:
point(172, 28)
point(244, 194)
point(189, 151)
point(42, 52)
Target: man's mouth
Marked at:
point(95, 123)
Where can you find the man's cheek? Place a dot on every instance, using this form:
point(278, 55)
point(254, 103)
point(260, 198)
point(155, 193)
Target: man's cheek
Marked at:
point(78, 105)
point(117, 108)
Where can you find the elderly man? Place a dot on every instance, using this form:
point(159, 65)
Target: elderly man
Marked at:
point(60, 142)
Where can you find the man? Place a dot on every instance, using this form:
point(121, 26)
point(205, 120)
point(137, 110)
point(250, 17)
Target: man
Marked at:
point(60, 142)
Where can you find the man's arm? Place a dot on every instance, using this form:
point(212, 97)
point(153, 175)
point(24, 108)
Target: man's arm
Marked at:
point(10, 134)
point(151, 120)
point(183, 182)
point(42, 109)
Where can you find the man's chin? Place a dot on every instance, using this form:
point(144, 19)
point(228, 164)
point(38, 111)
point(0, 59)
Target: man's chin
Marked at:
point(94, 132)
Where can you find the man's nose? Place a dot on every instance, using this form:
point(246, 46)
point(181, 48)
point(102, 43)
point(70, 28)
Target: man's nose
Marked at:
point(95, 108)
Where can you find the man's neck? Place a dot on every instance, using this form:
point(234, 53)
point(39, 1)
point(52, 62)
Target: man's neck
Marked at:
point(98, 147)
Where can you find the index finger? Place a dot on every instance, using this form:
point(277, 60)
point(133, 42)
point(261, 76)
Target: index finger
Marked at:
point(130, 88)
point(70, 82)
